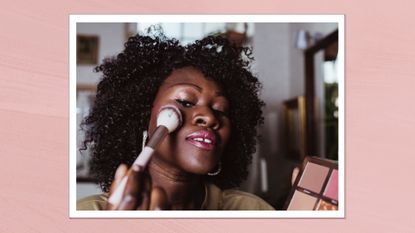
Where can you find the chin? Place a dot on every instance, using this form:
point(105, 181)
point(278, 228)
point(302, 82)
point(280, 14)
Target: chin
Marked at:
point(201, 164)
point(190, 158)
point(199, 167)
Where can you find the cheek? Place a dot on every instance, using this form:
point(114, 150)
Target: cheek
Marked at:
point(227, 137)
point(153, 121)
point(225, 134)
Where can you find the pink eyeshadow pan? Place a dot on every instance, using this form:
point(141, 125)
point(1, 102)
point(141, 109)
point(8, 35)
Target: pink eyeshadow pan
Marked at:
point(333, 186)
point(316, 186)
point(313, 177)
point(301, 201)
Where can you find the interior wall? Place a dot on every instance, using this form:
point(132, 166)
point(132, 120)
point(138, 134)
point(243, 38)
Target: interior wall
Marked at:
point(112, 37)
point(280, 67)
point(111, 41)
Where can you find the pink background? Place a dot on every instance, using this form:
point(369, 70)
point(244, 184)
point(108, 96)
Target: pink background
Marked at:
point(34, 120)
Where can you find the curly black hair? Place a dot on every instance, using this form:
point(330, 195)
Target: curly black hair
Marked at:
point(130, 82)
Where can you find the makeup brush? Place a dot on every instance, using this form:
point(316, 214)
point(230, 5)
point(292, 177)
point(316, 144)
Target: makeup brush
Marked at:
point(168, 120)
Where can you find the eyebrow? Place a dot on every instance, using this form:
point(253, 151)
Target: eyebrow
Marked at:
point(199, 89)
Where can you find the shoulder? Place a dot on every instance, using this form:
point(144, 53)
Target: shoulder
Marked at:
point(94, 202)
point(232, 199)
point(237, 200)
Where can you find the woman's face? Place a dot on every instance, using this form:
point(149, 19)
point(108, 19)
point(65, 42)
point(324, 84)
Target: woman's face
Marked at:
point(196, 147)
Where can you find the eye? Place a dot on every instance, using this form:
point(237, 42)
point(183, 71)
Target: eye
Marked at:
point(219, 112)
point(185, 103)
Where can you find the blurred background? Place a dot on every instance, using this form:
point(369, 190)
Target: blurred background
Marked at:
point(295, 62)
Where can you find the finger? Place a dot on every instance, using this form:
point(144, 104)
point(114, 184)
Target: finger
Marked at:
point(159, 199)
point(294, 175)
point(132, 194)
point(145, 193)
point(119, 174)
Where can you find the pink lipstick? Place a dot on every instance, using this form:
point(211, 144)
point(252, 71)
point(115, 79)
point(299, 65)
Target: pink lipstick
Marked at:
point(202, 139)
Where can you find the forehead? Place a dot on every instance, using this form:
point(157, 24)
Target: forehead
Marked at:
point(191, 76)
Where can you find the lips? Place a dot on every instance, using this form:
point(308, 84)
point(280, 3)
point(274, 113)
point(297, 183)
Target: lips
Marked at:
point(202, 139)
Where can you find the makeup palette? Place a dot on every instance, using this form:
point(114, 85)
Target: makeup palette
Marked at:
point(316, 186)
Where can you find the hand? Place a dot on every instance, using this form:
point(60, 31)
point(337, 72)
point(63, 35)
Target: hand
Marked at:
point(138, 193)
point(294, 175)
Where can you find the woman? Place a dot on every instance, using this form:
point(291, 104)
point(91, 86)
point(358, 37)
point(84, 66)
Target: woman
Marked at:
point(196, 166)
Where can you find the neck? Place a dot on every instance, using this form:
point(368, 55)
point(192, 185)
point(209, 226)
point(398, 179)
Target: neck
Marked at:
point(184, 190)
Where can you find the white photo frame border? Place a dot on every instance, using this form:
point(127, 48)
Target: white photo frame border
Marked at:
point(74, 19)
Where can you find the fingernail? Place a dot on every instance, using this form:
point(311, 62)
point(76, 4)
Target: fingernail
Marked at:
point(137, 168)
point(157, 208)
point(118, 173)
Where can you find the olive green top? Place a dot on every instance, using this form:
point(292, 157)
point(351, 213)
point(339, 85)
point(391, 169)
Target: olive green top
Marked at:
point(216, 199)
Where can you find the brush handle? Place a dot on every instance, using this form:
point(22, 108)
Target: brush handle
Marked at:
point(168, 120)
point(142, 160)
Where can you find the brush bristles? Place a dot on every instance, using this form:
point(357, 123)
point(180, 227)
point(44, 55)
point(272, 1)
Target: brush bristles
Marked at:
point(170, 117)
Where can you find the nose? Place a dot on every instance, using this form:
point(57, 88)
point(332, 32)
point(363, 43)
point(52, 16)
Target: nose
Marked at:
point(204, 116)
